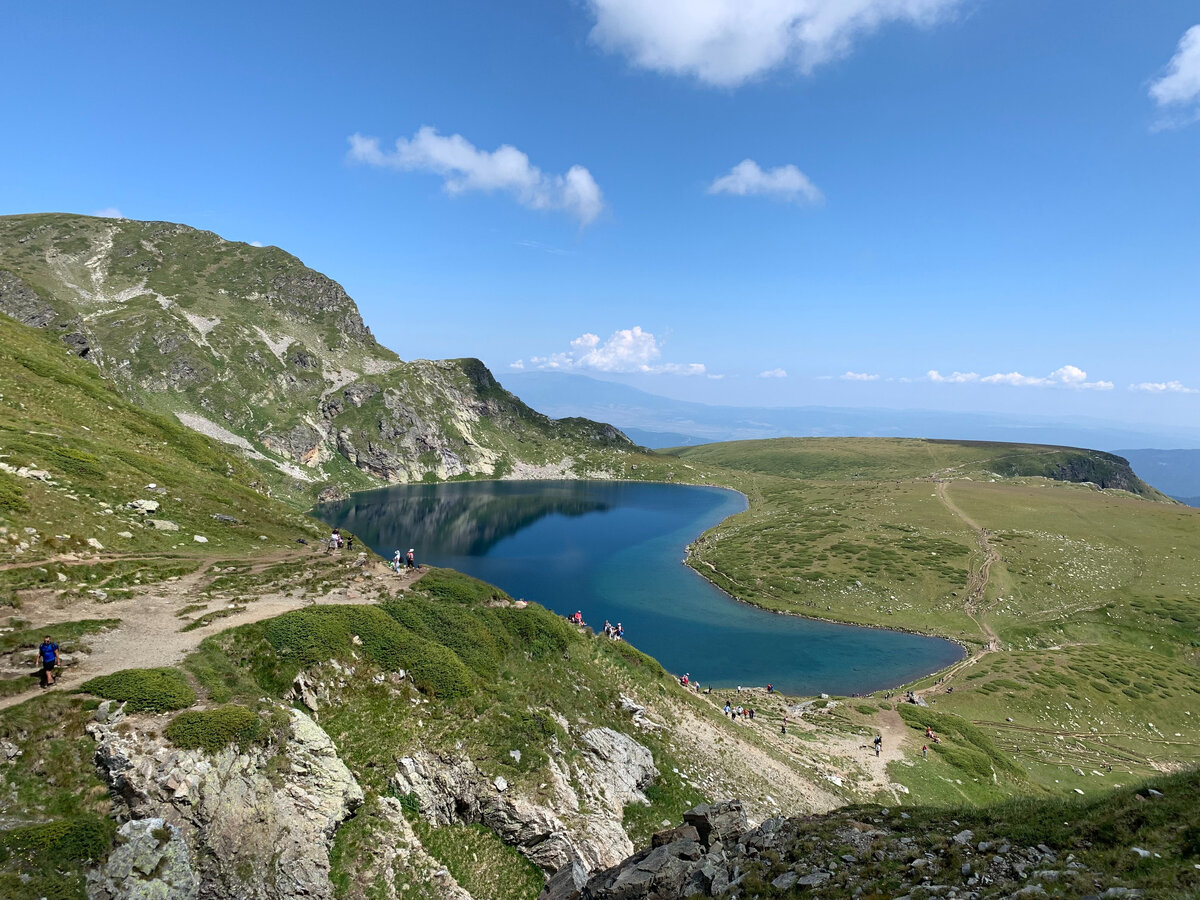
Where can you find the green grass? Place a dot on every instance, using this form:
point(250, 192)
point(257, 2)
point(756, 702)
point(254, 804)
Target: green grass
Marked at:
point(58, 414)
point(144, 690)
point(54, 802)
point(481, 862)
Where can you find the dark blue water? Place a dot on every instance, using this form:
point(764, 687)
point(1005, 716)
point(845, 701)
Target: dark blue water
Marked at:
point(613, 550)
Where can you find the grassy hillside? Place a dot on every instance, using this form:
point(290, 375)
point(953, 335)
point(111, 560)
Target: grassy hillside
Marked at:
point(74, 456)
point(1080, 604)
point(250, 345)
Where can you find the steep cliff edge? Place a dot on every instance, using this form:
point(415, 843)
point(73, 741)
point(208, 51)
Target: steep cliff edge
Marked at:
point(248, 345)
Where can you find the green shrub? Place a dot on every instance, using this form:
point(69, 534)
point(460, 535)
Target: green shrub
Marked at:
point(479, 646)
point(144, 690)
point(213, 729)
point(12, 497)
point(447, 584)
point(318, 633)
point(536, 631)
point(68, 840)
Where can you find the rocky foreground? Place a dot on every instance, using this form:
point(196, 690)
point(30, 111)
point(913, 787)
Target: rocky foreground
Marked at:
point(877, 852)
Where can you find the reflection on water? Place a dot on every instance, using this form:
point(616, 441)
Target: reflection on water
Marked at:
point(613, 550)
point(462, 519)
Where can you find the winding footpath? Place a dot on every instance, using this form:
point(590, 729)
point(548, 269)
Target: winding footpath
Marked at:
point(150, 632)
point(975, 603)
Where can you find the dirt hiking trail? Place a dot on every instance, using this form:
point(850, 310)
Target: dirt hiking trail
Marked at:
point(150, 633)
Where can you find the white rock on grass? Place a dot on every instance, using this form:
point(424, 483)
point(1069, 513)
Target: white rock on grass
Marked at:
point(199, 539)
point(95, 544)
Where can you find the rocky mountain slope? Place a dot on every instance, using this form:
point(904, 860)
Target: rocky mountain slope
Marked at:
point(248, 345)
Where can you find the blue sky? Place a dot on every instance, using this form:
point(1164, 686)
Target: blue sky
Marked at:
point(1005, 190)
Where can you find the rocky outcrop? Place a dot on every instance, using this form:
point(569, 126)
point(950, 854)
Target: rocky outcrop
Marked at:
point(683, 862)
point(23, 303)
point(849, 853)
point(613, 772)
point(258, 823)
point(151, 861)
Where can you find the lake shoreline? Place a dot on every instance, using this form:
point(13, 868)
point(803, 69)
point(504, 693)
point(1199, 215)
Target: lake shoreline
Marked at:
point(689, 561)
point(967, 651)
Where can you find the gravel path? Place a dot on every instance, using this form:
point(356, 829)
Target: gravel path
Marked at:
point(149, 634)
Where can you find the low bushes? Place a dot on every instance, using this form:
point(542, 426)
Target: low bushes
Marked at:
point(144, 690)
point(313, 635)
point(447, 584)
point(213, 729)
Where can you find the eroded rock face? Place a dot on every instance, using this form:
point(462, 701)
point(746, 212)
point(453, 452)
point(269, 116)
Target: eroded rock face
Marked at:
point(151, 861)
point(258, 825)
point(614, 772)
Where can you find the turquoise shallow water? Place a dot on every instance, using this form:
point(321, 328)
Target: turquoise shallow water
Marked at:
point(614, 551)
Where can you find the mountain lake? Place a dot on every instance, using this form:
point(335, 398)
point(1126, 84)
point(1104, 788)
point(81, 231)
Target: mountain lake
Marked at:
point(614, 551)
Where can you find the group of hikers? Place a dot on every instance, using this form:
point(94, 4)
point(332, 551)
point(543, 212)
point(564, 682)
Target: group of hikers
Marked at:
point(611, 631)
point(338, 542)
point(736, 712)
point(400, 561)
point(407, 561)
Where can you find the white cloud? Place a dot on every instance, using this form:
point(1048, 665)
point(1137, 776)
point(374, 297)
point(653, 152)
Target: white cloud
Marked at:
point(464, 168)
point(728, 42)
point(858, 376)
point(1179, 89)
point(781, 183)
point(954, 378)
point(257, 244)
point(109, 212)
point(773, 373)
point(629, 350)
point(1066, 376)
point(1164, 387)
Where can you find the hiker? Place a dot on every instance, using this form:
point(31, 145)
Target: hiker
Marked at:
point(619, 633)
point(684, 680)
point(397, 562)
point(783, 727)
point(770, 688)
point(48, 659)
point(607, 628)
point(727, 707)
point(411, 559)
point(878, 744)
point(349, 542)
point(751, 715)
point(925, 751)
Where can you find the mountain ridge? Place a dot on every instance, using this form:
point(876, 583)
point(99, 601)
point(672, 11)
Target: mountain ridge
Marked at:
point(248, 342)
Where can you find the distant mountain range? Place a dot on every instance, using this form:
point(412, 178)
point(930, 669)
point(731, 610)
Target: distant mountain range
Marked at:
point(656, 422)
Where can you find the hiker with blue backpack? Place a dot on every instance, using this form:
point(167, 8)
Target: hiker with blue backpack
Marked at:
point(48, 659)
